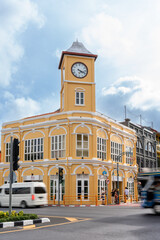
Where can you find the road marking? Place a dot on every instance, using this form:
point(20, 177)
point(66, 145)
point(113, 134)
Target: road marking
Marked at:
point(46, 226)
point(71, 219)
point(29, 227)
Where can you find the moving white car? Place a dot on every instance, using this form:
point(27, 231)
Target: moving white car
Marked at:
point(25, 194)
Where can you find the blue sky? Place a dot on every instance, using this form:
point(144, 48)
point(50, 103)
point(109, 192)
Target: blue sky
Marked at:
point(124, 33)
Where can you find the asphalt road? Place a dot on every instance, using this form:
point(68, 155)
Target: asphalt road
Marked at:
point(105, 222)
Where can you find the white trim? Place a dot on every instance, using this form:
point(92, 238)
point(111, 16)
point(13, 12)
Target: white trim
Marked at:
point(116, 172)
point(130, 171)
point(32, 168)
point(10, 135)
point(79, 89)
point(91, 83)
point(68, 112)
point(82, 166)
point(57, 127)
point(8, 170)
point(104, 169)
point(102, 130)
point(82, 125)
point(57, 168)
point(33, 131)
point(92, 120)
point(129, 140)
point(10, 129)
point(117, 135)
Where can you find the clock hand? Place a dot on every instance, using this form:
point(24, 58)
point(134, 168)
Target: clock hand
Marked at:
point(80, 70)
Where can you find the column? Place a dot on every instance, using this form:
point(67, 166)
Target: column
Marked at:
point(110, 186)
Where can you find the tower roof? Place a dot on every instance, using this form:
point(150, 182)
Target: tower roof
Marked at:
point(77, 49)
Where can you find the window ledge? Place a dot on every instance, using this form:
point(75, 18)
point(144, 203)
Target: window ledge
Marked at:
point(77, 105)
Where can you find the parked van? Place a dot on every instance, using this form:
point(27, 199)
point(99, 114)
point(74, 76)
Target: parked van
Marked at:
point(26, 194)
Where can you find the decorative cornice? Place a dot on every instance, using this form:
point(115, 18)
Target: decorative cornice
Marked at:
point(91, 83)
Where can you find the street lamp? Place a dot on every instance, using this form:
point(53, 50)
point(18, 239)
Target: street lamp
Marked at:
point(118, 158)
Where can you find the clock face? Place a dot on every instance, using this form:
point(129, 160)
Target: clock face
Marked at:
point(79, 70)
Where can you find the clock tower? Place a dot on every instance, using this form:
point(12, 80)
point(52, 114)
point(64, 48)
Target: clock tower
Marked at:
point(77, 79)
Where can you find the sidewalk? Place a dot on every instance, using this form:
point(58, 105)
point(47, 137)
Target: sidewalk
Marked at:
point(133, 204)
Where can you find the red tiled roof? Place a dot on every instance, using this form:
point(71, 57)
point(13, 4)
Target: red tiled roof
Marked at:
point(41, 115)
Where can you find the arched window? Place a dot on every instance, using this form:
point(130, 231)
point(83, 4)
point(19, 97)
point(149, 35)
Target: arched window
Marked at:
point(33, 149)
point(58, 146)
point(82, 147)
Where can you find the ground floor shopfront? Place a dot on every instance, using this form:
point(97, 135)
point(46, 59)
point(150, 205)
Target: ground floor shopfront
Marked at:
point(83, 181)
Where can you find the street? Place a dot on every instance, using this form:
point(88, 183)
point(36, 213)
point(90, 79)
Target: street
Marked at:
point(105, 222)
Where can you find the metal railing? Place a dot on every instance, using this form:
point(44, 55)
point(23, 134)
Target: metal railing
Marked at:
point(78, 200)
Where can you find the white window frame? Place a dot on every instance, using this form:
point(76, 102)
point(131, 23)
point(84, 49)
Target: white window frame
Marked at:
point(82, 178)
point(101, 148)
point(79, 98)
point(128, 155)
point(58, 149)
point(82, 148)
point(102, 184)
point(116, 150)
point(33, 151)
point(54, 188)
point(130, 185)
point(8, 152)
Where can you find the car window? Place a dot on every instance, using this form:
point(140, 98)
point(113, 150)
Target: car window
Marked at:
point(22, 190)
point(39, 190)
point(7, 191)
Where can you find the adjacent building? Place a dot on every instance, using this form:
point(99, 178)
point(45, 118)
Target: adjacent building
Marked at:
point(146, 154)
point(86, 144)
point(158, 148)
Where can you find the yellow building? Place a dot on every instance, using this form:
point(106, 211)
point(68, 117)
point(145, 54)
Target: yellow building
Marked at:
point(85, 143)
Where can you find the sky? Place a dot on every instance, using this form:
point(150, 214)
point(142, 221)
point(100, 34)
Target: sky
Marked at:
point(125, 34)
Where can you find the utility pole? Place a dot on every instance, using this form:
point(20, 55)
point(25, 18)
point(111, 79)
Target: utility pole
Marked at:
point(11, 177)
point(58, 186)
point(140, 119)
point(125, 112)
point(118, 180)
point(152, 124)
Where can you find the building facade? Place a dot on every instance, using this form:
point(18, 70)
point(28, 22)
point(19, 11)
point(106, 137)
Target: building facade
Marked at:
point(158, 148)
point(84, 143)
point(145, 147)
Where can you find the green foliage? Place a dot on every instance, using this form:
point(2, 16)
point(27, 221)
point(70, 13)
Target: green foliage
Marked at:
point(4, 216)
point(20, 213)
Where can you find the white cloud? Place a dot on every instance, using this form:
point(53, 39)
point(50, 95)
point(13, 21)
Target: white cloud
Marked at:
point(15, 16)
point(132, 47)
point(58, 53)
point(20, 107)
point(106, 33)
point(139, 94)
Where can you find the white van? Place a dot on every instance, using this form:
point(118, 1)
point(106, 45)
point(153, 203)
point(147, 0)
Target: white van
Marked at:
point(26, 194)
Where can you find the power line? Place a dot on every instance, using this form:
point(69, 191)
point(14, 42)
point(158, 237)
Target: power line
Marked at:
point(140, 118)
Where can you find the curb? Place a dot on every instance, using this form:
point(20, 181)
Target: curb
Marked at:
point(122, 204)
point(23, 222)
point(50, 205)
